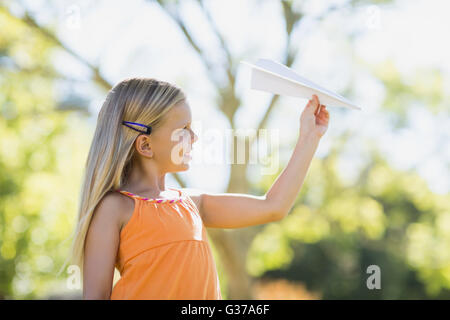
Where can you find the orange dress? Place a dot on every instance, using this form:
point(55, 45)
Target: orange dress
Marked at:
point(164, 253)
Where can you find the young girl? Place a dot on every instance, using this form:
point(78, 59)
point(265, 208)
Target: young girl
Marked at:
point(155, 235)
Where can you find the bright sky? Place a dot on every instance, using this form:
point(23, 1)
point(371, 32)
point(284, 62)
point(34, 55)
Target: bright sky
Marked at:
point(136, 38)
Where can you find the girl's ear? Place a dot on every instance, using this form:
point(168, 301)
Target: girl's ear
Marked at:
point(143, 146)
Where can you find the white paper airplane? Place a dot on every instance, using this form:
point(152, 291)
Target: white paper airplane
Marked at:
point(271, 76)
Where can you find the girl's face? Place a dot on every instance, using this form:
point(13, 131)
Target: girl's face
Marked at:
point(172, 141)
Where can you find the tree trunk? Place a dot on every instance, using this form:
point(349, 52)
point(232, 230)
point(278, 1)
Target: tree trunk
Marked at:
point(233, 244)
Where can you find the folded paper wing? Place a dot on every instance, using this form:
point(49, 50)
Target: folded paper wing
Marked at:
point(271, 76)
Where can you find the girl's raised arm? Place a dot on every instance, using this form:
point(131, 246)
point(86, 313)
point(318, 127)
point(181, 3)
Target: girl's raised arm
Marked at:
point(230, 210)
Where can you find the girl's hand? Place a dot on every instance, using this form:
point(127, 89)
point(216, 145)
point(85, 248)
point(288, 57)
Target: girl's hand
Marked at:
point(312, 120)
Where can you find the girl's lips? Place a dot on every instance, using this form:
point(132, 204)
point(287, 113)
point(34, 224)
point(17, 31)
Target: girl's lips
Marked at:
point(188, 152)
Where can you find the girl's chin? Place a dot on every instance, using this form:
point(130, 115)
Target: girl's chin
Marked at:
point(186, 160)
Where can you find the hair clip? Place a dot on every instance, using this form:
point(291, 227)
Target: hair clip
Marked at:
point(148, 131)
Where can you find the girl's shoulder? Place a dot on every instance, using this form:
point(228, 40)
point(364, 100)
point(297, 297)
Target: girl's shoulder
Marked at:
point(118, 207)
point(194, 194)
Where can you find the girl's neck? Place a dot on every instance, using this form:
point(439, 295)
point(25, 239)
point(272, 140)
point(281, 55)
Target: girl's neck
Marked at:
point(145, 184)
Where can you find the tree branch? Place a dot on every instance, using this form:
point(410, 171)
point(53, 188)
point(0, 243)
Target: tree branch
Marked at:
point(97, 77)
point(176, 17)
point(31, 22)
point(291, 19)
point(225, 48)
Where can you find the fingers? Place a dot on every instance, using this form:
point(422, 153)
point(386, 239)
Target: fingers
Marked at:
point(316, 108)
point(313, 104)
point(324, 114)
point(316, 99)
point(321, 111)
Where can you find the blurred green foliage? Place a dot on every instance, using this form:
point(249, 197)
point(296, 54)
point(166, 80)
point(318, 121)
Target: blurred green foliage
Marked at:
point(42, 151)
point(336, 230)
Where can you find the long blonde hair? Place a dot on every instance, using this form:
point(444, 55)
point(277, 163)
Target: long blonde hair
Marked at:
point(108, 165)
